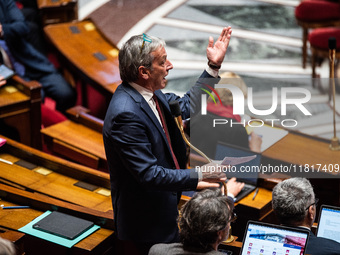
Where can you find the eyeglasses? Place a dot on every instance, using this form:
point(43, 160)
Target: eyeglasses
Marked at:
point(316, 201)
point(233, 218)
point(146, 38)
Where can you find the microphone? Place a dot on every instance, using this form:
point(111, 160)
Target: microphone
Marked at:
point(332, 51)
point(177, 113)
point(332, 43)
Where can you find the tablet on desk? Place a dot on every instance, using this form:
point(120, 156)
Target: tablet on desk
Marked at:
point(329, 223)
point(63, 225)
point(6, 72)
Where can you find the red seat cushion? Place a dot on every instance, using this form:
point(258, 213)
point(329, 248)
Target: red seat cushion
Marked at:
point(319, 37)
point(50, 116)
point(314, 10)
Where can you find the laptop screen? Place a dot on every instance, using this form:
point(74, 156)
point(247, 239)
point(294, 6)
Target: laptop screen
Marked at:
point(329, 223)
point(267, 239)
point(245, 172)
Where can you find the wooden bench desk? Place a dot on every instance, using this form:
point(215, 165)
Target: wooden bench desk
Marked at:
point(79, 139)
point(99, 242)
point(57, 11)
point(54, 177)
point(297, 150)
point(88, 55)
point(20, 109)
point(301, 149)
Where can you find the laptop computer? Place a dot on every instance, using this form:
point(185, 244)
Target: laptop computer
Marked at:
point(329, 223)
point(267, 239)
point(247, 172)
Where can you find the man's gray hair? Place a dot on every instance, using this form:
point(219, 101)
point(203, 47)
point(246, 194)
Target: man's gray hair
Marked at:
point(134, 54)
point(290, 200)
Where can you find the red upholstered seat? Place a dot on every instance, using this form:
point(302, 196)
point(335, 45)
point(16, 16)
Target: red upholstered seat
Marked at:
point(50, 116)
point(316, 10)
point(318, 38)
point(311, 14)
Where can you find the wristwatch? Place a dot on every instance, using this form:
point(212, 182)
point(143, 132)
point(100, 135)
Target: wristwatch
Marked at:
point(213, 66)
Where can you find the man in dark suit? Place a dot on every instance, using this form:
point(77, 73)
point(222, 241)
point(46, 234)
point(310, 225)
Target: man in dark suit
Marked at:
point(28, 62)
point(147, 171)
point(30, 10)
point(294, 204)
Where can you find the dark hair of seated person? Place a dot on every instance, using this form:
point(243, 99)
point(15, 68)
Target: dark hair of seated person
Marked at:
point(202, 218)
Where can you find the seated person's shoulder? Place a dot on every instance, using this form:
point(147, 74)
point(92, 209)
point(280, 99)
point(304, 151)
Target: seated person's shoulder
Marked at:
point(178, 249)
point(320, 245)
point(163, 248)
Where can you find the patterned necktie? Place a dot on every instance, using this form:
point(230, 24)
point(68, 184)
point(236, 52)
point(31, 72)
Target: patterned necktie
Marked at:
point(160, 112)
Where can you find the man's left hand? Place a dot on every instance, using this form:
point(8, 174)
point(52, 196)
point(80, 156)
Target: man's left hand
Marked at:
point(217, 51)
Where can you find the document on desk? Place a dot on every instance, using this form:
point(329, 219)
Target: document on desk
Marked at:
point(270, 135)
point(234, 161)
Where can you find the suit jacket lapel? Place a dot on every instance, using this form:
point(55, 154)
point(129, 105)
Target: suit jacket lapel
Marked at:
point(139, 99)
point(163, 102)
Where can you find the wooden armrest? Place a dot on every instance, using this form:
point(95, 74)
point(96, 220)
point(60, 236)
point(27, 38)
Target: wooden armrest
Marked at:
point(30, 88)
point(11, 235)
point(81, 115)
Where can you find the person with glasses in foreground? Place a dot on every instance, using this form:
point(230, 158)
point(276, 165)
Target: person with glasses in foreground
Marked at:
point(145, 151)
point(204, 223)
point(294, 204)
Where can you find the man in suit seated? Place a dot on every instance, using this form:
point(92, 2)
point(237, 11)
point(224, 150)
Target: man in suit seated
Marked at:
point(204, 223)
point(30, 10)
point(294, 204)
point(18, 54)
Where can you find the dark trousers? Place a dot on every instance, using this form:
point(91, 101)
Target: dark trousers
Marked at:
point(54, 86)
